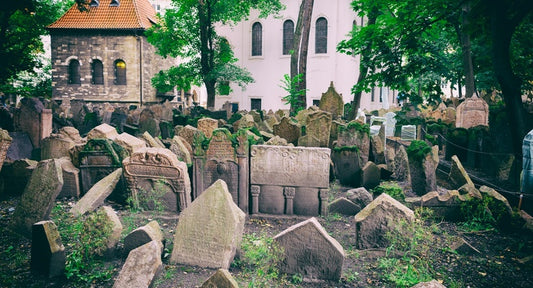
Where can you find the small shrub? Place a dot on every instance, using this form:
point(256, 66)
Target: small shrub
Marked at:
point(418, 150)
point(390, 188)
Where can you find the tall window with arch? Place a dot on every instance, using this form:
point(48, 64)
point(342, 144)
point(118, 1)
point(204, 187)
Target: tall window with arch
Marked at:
point(97, 71)
point(120, 72)
point(74, 76)
point(321, 36)
point(257, 39)
point(288, 36)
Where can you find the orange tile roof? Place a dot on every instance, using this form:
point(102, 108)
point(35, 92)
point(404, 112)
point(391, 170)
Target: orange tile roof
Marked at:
point(130, 14)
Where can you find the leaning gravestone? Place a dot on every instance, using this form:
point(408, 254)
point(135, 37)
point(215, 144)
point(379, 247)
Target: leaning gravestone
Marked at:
point(289, 180)
point(226, 160)
point(47, 251)
point(209, 239)
point(149, 123)
point(142, 235)
point(527, 163)
point(310, 252)
point(96, 196)
point(102, 131)
point(5, 141)
point(347, 164)
point(332, 102)
point(39, 196)
point(141, 267)
point(71, 179)
point(156, 173)
point(288, 130)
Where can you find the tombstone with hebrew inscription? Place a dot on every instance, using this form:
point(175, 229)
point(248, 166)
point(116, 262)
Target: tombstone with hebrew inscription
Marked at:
point(289, 180)
point(332, 102)
point(317, 130)
point(155, 177)
point(226, 160)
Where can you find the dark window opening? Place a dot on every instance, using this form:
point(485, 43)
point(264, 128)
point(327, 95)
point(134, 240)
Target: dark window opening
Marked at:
point(288, 36)
point(74, 76)
point(257, 39)
point(372, 95)
point(316, 102)
point(256, 104)
point(234, 107)
point(97, 69)
point(120, 72)
point(380, 94)
point(94, 3)
point(321, 35)
point(114, 3)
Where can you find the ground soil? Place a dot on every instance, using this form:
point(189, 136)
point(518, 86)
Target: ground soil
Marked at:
point(495, 259)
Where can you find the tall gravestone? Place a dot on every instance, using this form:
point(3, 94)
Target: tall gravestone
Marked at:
point(226, 160)
point(209, 231)
point(355, 134)
point(332, 102)
point(527, 163)
point(390, 124)
point(318, 126)
point(472, 112)
point(207, 125)
point(33, 119)
point(289, 180)
point(288, 129)
point(158, 173)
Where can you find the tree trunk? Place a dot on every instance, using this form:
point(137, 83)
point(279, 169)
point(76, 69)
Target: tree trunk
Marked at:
point(210, 87)
point(302, 67)
point(206, 50)
point(467, 51)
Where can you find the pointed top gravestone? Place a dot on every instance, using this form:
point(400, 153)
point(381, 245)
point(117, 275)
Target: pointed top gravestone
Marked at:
point(332, 102)
point(209, 231)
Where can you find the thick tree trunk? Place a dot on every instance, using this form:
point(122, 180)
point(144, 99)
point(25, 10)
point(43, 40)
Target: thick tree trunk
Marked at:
point(302, 67)
point(467, 51)
point(206, 50)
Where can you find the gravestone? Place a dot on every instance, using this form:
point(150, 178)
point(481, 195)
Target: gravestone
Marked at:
point(55, 146)
point(167, 130)
point(118, 119)
point(187, 133)
point(343, 206)
point(47, 251)
point(527, 164)
point(99, 158)
point(309, 251)
point(16, 175)
point(472, 112)
point(317, 130)
point(142, 235)
point(151, 141)
point(355, 134)
point(130, 143)
point(39, 196)
point(5, 142)
point(288, 130)
point(157, 173)
point(332, 102)
point(226, 160)
point(347, 164)
point(33, 119)
point(422, 173)
point(71, 179)
point(207, 125)
point(102, 131)
point(142, 267)
point(408, 132)
point(390, 124)
point(178, 146)
point(20, 148)
point(98, 193)
point(221, 279)
point(110, 218)
point(209, 239)
point(148, 123)
point(289, 180)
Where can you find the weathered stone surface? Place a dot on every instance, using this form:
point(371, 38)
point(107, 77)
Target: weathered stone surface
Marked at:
point(116, 230)
point(130, 143)
point(317, 129)
point(207, 125)
point(142, 235)
point(16, 175)
point(33, 119)
point(149, 123)
point(221, 279)
point(20, 147)
point(377, 143)
point(430, 284)
point(209, 239)
point(5, 142)
point(95, 197)
point(47, 250)
point(157, 171)
point(359, 196)
point(499, 206)
point(277, 141)
point(71, 179)
point(378, 217)
point(141, 267)
point(347, 165)
point(55, 147)
point(343, 206)
point(151, 141)
point(422, 172)
point(39, 196)
point(458, 175)
point(446, 205)
point(332, 102)
point(99, 158)
point(187, 133)
point(390, 124)
point(371, 175)
point(310, 251)
point(289, 180)
point(408, 132)
point(247, 121)
point(288, 130)
point(178, 146)
point(355, 134)
point(103, 131)
point(401, 165)
point(470, 190)
point(472, 112)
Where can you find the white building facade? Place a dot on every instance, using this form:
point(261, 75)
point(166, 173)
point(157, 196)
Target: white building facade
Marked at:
point(259, 45)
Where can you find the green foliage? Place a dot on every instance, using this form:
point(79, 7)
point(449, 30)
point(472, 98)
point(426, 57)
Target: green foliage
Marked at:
point(259, 260)
point(86, 240)
point(479, 214)
point(390, 188)
point(355, 125)
point(292, 87)
point(234, 118)
point(151, 200)
point(418, 150)
point(339, 149)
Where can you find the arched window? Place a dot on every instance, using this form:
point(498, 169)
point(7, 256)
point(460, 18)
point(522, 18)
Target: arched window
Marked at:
point(321, 35)
point(120, 72)
point(74, 76)
point(97, 71)
point(257, 39)
point(288, 36)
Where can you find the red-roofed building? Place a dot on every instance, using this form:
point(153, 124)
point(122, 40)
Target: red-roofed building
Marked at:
point(102, 54)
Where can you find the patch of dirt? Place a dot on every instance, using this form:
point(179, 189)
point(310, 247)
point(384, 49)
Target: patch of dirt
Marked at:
point(497, 260)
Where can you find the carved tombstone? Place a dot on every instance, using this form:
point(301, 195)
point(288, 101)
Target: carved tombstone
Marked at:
point(33, 119)
point(223, 160)
point(207, 125)
point(317, 130)
point(332, 102)
point(355, 134)
point(158, 172)
point(99, 158)
point(289, 180)
point(288, 130)
point(472, 112)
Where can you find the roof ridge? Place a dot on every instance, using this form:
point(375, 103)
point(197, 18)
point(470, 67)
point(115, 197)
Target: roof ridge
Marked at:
point(137, 15)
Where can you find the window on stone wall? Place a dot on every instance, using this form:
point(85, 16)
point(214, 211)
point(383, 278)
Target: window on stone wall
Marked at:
point(255, 104)
point(120, 72)
point(321, 36)
point(257, 39)
point(288, 36)
point(97, 71)
point(74, 76)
